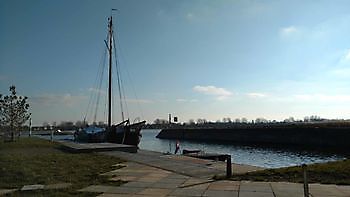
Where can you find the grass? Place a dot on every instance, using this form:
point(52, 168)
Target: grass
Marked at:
point(337, 172)
point(36, 161)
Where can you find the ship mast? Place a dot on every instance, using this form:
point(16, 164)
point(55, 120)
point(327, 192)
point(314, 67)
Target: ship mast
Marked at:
point(110, 30)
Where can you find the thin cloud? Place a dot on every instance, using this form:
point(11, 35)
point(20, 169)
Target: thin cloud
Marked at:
point(322, 98)
point(52, 99)
point(256, 95)
point(289, 31)
point(138, 101)
point(181, 100)
point(96, 91)
point(189, 16)
point(220, 93)
point(345, 58)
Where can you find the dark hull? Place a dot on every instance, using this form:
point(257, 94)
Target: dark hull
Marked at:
point(82, 136)
point(126, 134)
point(122, 133)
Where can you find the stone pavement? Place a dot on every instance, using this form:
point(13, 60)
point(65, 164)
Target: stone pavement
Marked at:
point(147, 181)
point(36, 187)
point(180, 164)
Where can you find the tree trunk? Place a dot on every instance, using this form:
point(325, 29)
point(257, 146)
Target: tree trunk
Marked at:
point(12, 136)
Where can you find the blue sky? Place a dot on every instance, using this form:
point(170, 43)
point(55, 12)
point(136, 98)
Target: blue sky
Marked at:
point(192, 58)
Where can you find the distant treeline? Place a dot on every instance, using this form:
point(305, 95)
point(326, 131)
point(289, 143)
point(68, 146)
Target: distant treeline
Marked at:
point(214, 125)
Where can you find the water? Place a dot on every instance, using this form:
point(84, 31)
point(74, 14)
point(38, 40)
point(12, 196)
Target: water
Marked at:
point(262, 157)
point(256, 156)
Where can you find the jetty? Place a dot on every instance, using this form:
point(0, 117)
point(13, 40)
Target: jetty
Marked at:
point(189, 166)
point(299, 136)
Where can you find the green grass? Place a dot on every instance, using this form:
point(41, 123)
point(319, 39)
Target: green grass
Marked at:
point(36, 161)
point(327, 173)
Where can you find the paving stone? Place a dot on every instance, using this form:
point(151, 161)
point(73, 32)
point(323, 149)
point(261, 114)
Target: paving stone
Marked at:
point(224, 185)
point(146, 195)
point(165, 185)
point(155, 192)
point(158, 175)
point(137, 184)
point(6, 191)
point(187, 192)
point(58, 186)
point(115, 195)
point(176, 181)
point(150, 179)
point(212, 193)
point(32, 187)
point(96, 188)
point(255, 194)
point(191, 181)
point(344, 189)
point(120, 165)
point(123, 178)
point(287, 189)
point(255, 187)
point(288, 193)
point(124, 190)
point(202, 186)
point(318, 190)
point(178, 176)
point(124, 173)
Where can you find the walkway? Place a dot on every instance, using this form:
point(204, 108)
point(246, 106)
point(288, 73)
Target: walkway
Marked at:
point(146, 181)
point(180, 164)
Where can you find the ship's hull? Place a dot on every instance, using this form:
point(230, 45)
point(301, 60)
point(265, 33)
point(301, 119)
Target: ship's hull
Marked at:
point(126, 134)
point(120, 134)
point(82, 136)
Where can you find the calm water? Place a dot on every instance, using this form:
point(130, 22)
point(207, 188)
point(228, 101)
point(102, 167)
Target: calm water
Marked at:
point(263, 157)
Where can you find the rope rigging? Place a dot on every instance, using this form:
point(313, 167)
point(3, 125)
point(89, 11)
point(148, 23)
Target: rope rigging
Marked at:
point(95, 93)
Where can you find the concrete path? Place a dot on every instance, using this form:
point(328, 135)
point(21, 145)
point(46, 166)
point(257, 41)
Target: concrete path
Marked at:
point(180, 164)
point(146, 181)
point(96, 147)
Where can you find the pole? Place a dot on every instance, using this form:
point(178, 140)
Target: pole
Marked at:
point(30, 127)
point(228, 166)
point(306, 185)
point(51, 135)
point(110, 75)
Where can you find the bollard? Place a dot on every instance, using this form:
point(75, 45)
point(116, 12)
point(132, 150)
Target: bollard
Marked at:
point(306, 185)
point(228, 166)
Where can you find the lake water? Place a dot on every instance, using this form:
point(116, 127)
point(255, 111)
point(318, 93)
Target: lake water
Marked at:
point(262, 157)
point(256, 156)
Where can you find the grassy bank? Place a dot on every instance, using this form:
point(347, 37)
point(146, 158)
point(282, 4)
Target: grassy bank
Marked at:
point(328, 173)
point(36, 161)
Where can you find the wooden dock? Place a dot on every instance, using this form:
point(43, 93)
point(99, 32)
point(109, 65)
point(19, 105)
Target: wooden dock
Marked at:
point(97, 147)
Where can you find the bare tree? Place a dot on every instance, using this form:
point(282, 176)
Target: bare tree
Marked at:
point(13, 111)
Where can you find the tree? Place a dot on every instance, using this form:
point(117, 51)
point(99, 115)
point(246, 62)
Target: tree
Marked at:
point(160, 121)
point(13, 111)
point(244, 120)
point(201, 121)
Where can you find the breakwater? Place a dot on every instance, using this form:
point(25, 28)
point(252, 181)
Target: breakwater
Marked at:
point(311, 137)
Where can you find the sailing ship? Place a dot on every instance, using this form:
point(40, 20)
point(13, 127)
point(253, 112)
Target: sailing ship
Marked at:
point(122, 133)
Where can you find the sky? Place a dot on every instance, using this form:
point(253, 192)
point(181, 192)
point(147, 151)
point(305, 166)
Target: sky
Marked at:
point(191, 58)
